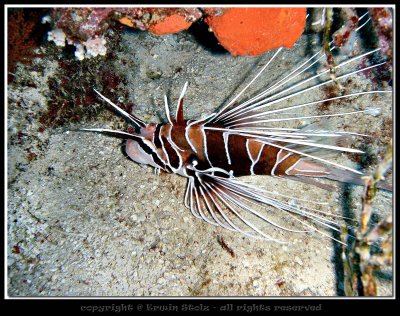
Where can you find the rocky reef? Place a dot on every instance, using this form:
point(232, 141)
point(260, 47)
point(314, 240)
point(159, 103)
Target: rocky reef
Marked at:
point(241, 31)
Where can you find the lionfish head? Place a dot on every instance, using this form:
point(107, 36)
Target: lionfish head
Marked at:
point(138, 149)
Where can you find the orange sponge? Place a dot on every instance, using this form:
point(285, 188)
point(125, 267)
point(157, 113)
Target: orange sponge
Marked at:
point(170, 24)
point(253, 31)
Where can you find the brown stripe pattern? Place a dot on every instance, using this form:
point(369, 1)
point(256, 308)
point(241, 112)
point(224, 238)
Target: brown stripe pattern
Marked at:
point(180, 145)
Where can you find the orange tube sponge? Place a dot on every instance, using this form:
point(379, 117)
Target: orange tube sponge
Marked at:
point(253, 31)
point(170, 24)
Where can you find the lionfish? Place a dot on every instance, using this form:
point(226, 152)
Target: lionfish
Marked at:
point(240, 140)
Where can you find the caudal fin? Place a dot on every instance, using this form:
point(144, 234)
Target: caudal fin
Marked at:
point(348, 177)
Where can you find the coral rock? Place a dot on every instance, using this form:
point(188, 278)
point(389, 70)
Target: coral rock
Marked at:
point(170, 24)
point(253, 31)
point(81, 23)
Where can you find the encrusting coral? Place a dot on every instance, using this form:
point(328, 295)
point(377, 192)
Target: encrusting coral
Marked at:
point(242, 31)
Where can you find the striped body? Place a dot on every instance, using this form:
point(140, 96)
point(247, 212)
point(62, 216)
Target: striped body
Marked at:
point(175, 146)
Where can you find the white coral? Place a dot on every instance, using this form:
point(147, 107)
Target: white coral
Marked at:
point(46, 19)
point(95, 47)
point(57, 36)
point(88, 49)
point(80, 51)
